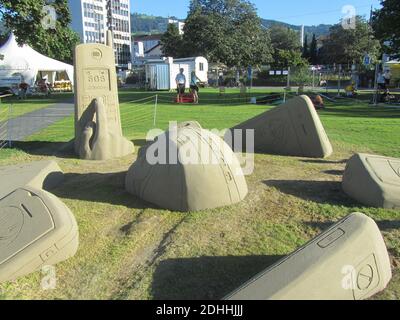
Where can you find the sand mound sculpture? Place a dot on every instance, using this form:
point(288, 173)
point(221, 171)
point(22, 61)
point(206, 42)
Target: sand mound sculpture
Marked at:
point(292, 129)
point(196, 171)
point(373, 180)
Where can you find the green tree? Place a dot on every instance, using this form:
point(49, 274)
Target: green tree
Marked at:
point(172, 42)
point(349, 45)
point(386, 24)
point(226, 31)
point(306, 52)
point(286, 47)
point(25, 18)
point(314, 51)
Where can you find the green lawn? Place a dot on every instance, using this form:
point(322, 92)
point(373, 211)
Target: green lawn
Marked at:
point(354, 124)
point(130, 249)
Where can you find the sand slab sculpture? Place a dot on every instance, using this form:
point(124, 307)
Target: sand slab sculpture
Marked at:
point(348, 262)
point(212, 178)
point(292, 129)
point(373, 180)
point(39, 175)
point(36, 229)
point(98, 132)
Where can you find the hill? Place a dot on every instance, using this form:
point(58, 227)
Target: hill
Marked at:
point(318, 30)
point(146, 24)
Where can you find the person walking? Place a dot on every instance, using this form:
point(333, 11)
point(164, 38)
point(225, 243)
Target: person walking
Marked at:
point(181, 85)
point(194, 87)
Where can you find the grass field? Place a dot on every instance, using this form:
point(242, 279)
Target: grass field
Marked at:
point(130, 249)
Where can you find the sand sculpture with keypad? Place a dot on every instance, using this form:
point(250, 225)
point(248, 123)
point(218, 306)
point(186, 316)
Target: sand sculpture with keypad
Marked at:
point(98, 131)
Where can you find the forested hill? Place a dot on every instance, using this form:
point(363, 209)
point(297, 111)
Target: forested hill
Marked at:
point(145, 24)
point(319, 30)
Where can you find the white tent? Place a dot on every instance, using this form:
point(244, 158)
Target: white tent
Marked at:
point(24, 61)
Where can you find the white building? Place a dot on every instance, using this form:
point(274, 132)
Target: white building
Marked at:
point(180, 25)
point(90, 21)
point(161, 73)
point(146, 47)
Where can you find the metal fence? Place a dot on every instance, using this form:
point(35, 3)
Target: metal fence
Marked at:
point(56, 122)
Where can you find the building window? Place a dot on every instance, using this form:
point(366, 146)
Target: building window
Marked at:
point(201, 67)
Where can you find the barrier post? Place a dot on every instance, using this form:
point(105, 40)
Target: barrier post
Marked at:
point(155, 111)
point(9, 128)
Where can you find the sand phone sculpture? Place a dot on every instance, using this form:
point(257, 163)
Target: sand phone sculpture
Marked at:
point(98, 131)
point(36, 228)
point(373, 180)
point(212, 178)
point(292, 129)
point(348, 262)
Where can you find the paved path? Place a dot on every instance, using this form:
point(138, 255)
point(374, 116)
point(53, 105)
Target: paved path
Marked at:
point(21, 127)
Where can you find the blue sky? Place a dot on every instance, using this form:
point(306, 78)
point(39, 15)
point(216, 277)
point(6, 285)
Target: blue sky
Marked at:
point(308, 12)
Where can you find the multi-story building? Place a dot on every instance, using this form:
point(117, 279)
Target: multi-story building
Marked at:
point(92, 18)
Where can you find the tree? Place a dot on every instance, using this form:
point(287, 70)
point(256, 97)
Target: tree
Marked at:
point(306, 52)
point(314, 51)
point(226, 31)
point(350, 45)
point(25, 18)
point(386, 24)
point(286, 47)
point(171, 42)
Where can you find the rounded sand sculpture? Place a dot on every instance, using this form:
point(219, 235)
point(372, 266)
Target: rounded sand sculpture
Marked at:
point(187, 169)
point(373, 180)
point(36, 230)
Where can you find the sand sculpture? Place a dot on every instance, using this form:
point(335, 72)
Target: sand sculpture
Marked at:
point(292, 129)
point(98, 131)
point(373, 180)
point(39, 175)
point(212, 178)
point(36, 228)
point(348, 262)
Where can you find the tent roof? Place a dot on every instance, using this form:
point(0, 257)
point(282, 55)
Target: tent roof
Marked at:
point(25, 58)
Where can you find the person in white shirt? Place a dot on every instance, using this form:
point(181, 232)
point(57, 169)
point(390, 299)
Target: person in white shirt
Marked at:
point(181, 84)
point(381, 81)
point(387, 77)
